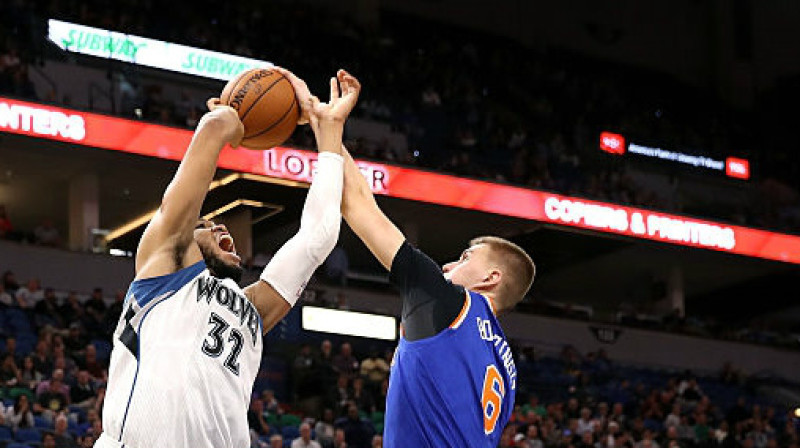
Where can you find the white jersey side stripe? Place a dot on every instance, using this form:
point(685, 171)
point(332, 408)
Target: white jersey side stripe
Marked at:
point(156, 302)
point(154, 290)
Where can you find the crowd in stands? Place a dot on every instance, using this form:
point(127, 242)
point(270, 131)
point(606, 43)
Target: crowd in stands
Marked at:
point(44, 234)
point(14, 79)
point(54, 356)
point(54, 352)
point(745, 329)
point(590, 401)
point(494, 109)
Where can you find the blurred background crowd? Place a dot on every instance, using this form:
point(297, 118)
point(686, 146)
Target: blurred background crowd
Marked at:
point(56, 346)
point(447, 99)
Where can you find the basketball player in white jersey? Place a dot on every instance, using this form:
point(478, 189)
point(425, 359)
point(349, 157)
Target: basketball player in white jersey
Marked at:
point(188, 344)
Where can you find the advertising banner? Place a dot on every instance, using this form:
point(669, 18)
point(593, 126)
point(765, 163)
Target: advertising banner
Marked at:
point(134, 137)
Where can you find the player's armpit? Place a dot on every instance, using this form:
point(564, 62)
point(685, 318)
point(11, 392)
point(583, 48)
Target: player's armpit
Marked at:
point(431, 303)
point(269, 303)
point(367, 220)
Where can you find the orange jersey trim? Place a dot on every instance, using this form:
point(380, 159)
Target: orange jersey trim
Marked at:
point(491, 304)
point(463, 313)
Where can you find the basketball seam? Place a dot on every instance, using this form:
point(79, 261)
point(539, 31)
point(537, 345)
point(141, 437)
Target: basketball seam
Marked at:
point(259, 97)
point(234, 88)
point(277, 122)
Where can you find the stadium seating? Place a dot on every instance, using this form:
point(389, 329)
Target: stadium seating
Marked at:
point(27, 435)
point(6, 434)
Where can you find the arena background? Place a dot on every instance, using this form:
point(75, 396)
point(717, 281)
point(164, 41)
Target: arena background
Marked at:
point(643, 153)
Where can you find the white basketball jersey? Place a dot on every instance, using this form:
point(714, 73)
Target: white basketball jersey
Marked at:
point(186, 352)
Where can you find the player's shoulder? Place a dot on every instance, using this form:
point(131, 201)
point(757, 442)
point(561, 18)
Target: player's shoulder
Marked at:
point(144, 290)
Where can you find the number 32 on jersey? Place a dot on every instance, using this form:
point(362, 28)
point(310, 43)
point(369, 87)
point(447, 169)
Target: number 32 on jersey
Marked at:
point(492, 398)
point(216, 345)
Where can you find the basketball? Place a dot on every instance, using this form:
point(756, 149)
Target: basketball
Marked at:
point(267, 106)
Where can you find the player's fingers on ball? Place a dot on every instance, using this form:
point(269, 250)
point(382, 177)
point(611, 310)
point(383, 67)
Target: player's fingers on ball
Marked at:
point(228, 110)
point(287, 74)
point(237, 141)
point(213, 103)
point(300, 87)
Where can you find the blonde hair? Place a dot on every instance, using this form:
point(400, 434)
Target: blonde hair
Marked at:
point(516, 266)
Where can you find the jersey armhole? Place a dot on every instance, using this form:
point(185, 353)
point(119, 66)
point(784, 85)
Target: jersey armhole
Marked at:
point(463, 313)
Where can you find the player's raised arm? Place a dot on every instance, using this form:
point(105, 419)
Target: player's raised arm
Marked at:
point(430, 302)
point(367, 220)
point(286, 275)
point(169, 234)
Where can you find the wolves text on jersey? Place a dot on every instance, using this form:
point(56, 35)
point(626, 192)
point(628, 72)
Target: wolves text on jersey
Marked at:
point(502, 348)
point(230, 299)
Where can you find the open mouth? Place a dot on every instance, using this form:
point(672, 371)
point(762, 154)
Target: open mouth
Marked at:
point(226, 244)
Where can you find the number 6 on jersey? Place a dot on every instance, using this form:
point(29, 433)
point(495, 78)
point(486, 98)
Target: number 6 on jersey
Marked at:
point(492, 398)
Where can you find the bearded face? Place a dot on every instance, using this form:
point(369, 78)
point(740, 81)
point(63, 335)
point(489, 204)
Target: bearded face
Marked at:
point(219, 250)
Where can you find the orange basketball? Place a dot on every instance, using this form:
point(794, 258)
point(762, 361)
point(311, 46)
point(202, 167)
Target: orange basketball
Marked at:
point(267, 106)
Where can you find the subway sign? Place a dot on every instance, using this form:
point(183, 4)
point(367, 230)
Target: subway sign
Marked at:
point(148, 52)
point(134, 137)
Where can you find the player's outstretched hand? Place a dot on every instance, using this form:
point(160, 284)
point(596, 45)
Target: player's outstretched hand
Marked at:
point(345, 89)
point(301, 92)
point(344, 95)
point(225, 120)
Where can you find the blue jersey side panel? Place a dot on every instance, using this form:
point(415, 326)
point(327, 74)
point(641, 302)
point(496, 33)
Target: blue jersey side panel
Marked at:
point(436, 385)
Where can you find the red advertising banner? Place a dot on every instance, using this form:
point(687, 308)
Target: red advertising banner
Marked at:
point(134, 137)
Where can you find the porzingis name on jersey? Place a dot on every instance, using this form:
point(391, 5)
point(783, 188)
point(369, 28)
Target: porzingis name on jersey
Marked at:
point(502, 348)
point(208, 287)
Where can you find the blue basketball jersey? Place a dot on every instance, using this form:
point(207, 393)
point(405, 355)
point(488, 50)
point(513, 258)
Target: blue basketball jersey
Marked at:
point(455, 389)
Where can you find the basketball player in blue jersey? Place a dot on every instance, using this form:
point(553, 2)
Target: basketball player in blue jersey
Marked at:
point(188, 344)
point(453, 377)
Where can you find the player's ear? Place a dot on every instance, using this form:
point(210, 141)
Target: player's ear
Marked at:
point(492, 278)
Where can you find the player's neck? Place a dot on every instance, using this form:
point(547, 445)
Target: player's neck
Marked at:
point(493, 303)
